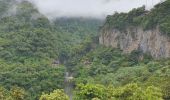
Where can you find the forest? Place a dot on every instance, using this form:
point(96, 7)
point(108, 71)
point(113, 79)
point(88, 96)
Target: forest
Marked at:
point(159, 16)
point(36, 54)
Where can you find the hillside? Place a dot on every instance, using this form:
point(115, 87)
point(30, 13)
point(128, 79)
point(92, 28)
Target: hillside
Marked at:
point(140, 29)
point(67, 58)
point(30, 44)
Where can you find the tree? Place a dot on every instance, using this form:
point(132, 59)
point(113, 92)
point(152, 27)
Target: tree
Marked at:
point(18, 93)
point(55, 95)
point(4, 94)
point(90, 91)
point(127, 92)
point(134, 92)
point(153, 93)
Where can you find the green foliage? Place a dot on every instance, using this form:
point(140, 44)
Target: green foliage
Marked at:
point(166, 91)
point(127, 92)
point(30, 44)
point(134, 56)
point(25, 11)
point(89, 91)
point(109, 66)
point(55, 95)
point(165, 27)
point(18, 93)
point(134, 92)
point(121, 20)
point(5, 94)
point(34, 76)
point(158, 16)
point(99, 63)
point(4, 6)
point(153, 93)
point(137, 56)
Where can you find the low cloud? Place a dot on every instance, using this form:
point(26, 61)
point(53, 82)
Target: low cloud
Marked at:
point(88, 8)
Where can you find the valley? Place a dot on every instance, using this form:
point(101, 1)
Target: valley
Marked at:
point(122, 57)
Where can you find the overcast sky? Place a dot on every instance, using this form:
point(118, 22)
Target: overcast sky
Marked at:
point(88, 8)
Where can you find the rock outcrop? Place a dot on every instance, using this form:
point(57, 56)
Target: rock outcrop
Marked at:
point(135, 38)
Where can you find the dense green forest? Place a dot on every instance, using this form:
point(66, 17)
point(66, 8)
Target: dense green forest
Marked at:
point(36, 53)
point(30, 44)
point(158, 16)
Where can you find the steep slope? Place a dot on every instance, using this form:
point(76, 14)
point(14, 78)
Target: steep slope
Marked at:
point(147, 31)
point(30, 44)
point(135, 38)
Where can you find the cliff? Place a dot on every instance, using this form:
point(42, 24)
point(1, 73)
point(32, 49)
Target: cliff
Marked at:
point(135, 38)
point(139, 29)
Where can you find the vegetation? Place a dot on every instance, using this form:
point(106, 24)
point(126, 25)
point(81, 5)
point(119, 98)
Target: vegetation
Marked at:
point(127, 92)
point(158, 16)
point(56, 95)
point(15, 93)
point(30, 45)
point(102, 67)
point(35, 53)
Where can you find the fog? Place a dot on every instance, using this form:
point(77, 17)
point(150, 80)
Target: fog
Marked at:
point(88, 8)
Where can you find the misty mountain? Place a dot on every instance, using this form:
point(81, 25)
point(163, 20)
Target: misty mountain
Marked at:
point(30, 43)
point(68, 50)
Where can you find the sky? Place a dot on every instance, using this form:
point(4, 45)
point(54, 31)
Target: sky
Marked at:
point(88, 8)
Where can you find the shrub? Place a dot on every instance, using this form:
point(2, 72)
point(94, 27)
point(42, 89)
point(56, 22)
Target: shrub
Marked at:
point(55, 95)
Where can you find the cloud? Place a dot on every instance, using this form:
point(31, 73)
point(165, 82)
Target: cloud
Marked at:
point(88, 8)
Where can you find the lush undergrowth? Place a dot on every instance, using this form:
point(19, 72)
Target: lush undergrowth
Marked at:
point(109, 67)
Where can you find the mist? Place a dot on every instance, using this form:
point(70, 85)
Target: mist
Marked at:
point(88, 8)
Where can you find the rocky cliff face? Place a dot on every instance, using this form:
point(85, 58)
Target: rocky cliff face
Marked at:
point(135, 38)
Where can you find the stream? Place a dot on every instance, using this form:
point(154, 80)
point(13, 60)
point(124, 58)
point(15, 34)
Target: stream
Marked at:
point(68, 84)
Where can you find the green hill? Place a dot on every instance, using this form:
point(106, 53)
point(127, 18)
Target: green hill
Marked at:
point(30, 44)
point(36, 54)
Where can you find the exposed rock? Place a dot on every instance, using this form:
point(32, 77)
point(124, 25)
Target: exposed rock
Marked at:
point(57, 62)
point(150, 41)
